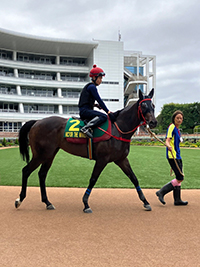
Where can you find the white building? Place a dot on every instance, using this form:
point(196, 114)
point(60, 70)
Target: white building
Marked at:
point(41, 77)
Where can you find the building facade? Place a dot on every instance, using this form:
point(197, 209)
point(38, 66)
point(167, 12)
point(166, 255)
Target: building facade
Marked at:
point(41, 77)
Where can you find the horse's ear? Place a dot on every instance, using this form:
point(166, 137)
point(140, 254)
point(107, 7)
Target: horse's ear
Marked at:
point(140, 95)
point(151, 93)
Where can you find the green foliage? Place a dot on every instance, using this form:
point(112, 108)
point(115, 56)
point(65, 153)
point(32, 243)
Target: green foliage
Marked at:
point(4, 142)
point(197, 129)
point(157, 143)
point(16, 142)
point(191, 116)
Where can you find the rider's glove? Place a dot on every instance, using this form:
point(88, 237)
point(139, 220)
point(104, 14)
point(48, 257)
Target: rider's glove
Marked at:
point(111, 116)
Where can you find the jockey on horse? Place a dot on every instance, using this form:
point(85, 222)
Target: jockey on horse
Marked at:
point(87, 102)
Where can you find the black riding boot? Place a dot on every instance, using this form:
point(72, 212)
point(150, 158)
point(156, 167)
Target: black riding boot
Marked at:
point(163, 191)
point(177, 197)
point(88, 127)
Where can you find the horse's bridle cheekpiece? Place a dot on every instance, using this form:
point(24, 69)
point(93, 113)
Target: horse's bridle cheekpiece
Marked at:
point(140, 113)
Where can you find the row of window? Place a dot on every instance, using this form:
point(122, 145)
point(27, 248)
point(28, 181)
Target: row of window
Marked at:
point(10, 126)
point(41, 59)
point(34, 108)
point(42, 75)
point(44, 92)
point(50, 109)
point(12, 107)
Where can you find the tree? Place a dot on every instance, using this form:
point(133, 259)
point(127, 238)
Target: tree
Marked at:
point(191, 116)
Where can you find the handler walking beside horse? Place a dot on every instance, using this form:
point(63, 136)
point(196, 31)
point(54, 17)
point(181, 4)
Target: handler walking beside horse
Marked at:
point(173, 138)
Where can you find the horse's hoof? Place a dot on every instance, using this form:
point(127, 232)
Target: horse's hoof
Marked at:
point(50, 207)
point(17, 203)
point(147, 207)
point(88, 210)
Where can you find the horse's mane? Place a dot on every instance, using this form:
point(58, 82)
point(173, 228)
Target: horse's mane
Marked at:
point(118, 112)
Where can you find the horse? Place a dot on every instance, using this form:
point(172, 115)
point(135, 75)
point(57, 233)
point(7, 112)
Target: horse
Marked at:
point(46, 137)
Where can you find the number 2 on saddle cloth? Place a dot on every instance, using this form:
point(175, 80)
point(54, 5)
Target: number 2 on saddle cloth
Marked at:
point(74, 135)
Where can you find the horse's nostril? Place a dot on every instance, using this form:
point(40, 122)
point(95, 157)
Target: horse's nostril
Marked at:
point(153, 124)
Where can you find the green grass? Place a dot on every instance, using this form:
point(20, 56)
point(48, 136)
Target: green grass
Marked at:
point(148, 163)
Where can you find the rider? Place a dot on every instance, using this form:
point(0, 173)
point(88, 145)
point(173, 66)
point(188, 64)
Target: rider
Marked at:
point(87, 102)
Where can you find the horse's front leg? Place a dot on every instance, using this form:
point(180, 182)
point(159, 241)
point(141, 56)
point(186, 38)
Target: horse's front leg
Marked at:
point(99, 166)
point(126, 168)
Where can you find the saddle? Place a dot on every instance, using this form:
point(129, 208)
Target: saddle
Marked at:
point(74, 135)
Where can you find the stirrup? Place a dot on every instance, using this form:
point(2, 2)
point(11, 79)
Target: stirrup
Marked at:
point(87, 132)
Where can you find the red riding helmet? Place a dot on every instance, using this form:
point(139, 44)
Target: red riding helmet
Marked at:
point(96, 72)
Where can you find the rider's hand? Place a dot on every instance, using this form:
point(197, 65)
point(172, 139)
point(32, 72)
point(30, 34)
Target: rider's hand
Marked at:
point(111, 116)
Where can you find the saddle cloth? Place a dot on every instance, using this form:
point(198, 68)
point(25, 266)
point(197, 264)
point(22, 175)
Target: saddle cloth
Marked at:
point(74, 135)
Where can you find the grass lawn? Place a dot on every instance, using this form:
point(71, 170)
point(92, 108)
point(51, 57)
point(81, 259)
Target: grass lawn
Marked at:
point(148, 163)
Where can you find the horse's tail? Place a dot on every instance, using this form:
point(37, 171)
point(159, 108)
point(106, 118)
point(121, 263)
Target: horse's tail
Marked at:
point(23, 139)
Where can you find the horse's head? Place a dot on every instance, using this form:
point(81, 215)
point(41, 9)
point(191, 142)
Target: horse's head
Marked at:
point(146, 109)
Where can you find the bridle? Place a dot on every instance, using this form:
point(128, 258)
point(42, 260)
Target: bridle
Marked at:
point(140, 114)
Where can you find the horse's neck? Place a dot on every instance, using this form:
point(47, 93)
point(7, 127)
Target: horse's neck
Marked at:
point(128, 118)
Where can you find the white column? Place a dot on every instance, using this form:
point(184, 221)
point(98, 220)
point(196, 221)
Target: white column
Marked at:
point(58, 76)
point(18, 88)
point(138, 65)
point(60, 109)
point(14, 55)
point(21, 108)
point(154, 72)
point(58, 60)
point(16, 73)
point(154, 79)
point(59, 92)
point(147, 74)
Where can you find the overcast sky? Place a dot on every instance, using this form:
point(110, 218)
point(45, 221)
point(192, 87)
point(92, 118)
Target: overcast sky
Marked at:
point(168, 29)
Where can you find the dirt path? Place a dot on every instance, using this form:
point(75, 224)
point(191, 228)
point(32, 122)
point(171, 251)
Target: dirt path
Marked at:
point(118, 232)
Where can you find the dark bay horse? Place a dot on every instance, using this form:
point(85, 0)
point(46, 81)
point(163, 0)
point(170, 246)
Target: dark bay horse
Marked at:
point(46, 137)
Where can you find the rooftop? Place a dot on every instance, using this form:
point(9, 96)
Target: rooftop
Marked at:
point(42, 45)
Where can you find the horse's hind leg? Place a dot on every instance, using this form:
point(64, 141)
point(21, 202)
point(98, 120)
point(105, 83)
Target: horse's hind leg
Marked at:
point(26, 171)
point(126, 168)
point(42, 176)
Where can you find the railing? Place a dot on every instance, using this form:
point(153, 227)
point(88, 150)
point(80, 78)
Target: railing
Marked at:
point(73, 79)
point(39, 112)
point(35, 77)
point(2, 73)
point(6, 92)
point(185, 136)
point(8, 110)
point(48, 62)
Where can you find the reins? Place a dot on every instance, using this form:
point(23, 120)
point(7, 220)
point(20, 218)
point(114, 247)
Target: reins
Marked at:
point(116, 137)
point(153, 135)
point(139, 114)
point(131, 131)
point(144, 123)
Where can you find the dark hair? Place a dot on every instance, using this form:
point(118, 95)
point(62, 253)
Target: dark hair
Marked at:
point(176, 113)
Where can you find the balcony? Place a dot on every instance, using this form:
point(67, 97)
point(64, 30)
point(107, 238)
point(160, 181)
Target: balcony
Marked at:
point(44, 67)
point(40, 99)
point(71, 83)
point(134, 80)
